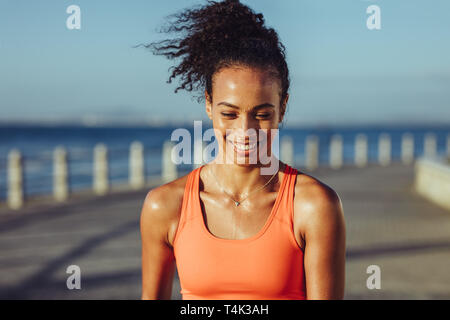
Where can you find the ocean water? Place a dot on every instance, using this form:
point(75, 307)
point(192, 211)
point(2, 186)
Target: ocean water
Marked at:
point(36, 143)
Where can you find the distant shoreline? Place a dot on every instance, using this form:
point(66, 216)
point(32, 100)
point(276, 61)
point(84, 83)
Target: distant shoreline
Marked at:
point(166, 124)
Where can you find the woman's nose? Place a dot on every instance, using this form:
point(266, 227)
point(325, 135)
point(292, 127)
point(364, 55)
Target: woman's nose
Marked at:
point(246, 128)
point(245, 122)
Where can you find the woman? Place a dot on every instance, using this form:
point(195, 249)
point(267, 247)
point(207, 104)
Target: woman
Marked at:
point(233, 232)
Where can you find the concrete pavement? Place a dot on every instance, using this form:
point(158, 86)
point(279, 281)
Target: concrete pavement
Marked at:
point(388, 225)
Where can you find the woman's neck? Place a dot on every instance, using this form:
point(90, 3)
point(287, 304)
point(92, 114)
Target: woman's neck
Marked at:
point(238, 180)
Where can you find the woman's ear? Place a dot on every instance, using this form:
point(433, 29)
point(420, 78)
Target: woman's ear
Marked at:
point(208, 105)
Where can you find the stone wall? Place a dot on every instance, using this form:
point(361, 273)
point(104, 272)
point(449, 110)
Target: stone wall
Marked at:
point(432, 180)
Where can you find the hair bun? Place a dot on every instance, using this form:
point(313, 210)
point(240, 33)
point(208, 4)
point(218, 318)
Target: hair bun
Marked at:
point(220, 33)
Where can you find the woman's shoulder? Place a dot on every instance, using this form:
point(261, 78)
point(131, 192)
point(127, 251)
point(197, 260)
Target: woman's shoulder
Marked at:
point(315, 202)
point(312, 188)
point(162, 205)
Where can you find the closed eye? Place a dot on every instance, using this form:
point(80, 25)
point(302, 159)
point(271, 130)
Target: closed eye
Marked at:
point(262, 115)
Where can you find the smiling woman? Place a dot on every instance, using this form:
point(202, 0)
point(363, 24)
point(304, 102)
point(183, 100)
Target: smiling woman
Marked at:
point(233, 231)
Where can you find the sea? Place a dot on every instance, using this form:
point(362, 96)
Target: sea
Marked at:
point(37, 143)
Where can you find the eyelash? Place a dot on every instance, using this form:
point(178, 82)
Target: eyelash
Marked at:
point(265, 115)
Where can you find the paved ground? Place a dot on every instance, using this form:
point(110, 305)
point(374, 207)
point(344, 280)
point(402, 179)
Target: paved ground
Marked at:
point(387, 225)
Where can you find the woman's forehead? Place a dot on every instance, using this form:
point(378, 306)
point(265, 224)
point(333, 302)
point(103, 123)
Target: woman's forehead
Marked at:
point(245, 81)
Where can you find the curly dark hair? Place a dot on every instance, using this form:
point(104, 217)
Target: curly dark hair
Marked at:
point(217, 35)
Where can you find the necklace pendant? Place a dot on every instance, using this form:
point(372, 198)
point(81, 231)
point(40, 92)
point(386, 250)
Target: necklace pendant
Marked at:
point(236, 203)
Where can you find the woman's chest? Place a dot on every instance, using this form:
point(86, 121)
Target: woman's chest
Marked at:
point(223, 219)
point(227, 221)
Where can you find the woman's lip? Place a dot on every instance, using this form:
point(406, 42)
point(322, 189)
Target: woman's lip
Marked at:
point(241, 151)
point(243, 144)
point(244, 141)
point(244, 152)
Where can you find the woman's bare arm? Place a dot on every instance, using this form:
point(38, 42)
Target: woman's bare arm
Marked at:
point(324, 235)
point(158, 262)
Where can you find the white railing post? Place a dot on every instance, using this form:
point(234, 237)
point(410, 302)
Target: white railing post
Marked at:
point(169, 167)
point(136, 165)
point(60, 175)
point(429, 146)
point(407, 148)
point(101, 172)
point(384, 149)
point(361, 150)
point(15, 180)
point(336, 152)
point(287, 150)
point(312, 152)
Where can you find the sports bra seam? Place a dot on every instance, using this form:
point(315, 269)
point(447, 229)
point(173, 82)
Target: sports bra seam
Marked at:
point(291, 214)
point(186, 198)
point(290, 234)
point(287, 220)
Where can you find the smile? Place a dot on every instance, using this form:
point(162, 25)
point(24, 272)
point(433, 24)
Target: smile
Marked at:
point(244, 146)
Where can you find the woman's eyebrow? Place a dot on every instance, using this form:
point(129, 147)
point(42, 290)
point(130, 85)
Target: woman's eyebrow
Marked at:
point(264, 105)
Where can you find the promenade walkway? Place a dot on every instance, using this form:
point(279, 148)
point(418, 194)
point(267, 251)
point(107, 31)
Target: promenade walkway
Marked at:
point(388, 225)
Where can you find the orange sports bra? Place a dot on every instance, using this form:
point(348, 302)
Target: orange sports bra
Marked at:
point(266, 266)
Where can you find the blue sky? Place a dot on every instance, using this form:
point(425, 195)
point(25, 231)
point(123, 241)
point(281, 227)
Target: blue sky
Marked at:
point(341, 71)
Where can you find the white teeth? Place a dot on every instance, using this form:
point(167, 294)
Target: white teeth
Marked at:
point(244, 147)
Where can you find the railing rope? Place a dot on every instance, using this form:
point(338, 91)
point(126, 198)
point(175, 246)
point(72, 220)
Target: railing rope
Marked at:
point(15, 190)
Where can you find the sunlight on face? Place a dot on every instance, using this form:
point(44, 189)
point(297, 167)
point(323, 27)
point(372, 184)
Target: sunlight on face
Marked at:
point(244, 98)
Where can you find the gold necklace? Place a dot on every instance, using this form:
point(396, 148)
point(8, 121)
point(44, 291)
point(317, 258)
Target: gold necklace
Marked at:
point(237, 203)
